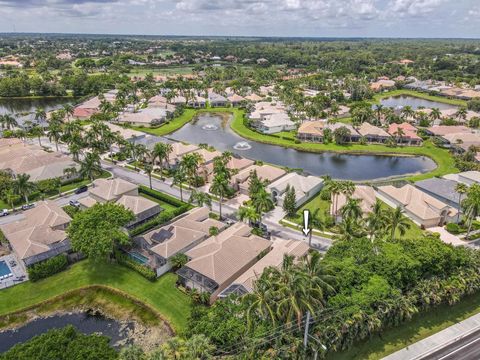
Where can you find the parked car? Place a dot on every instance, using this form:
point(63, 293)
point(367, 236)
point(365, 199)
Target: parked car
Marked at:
point(81, 189)
point(28, 206)
point(74, 203)
point(4, 212)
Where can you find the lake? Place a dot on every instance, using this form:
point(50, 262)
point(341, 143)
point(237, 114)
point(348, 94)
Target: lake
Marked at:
point(213, 130)
point(24, 109)
point(84, 322)
point(398, 102)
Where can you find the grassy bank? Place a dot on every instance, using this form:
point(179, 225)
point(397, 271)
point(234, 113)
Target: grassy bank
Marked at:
point(420, 95)
point(171, 126)
point(113, 303)
point(162, 295)
point(443, 159)
point(420, 327)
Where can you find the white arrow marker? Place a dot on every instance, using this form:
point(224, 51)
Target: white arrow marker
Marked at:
point(306, 222)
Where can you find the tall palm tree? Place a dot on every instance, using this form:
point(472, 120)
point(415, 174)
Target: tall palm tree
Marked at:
point(352, 209)
point(407, 112)
point(435, 114)
point(262, 202)
point(90, 167)
point(38, 132)
point(10, 197)
point(395, 221)
point(375, 221)
point(335, 188)
point(461, 189)
point(471, 205)
point(162, 151)
point(179, 178)
point(148, 167)
point(69, 110)
point(22, 186)
point(191, 163)
point(220, 187)
point(54, 133)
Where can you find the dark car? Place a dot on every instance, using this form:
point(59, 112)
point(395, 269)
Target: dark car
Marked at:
point(81, 189)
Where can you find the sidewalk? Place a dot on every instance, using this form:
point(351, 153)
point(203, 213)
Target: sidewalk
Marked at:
point(446, 337)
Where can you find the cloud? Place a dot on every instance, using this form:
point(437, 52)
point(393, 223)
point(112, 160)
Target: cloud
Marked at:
point(414, 7)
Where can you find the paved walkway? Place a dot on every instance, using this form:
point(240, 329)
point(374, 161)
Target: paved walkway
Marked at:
point(448, 238)
point(442, 339)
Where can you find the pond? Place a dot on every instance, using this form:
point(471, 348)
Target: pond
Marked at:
point(214, 130)
point(398, 102)
point(24, 109)
point(84, 322)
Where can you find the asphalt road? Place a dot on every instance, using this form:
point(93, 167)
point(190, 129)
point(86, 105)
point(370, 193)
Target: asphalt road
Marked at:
point(467, 348)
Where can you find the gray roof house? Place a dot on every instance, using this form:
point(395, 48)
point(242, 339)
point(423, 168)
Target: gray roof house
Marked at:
point(216, 100)
point(441, 189)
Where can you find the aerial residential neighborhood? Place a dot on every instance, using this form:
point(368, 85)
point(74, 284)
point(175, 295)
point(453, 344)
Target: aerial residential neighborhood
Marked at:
point(301, 183)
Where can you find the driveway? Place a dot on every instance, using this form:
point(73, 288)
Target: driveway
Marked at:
point(446, 237)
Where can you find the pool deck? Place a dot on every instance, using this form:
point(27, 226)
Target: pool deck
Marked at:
point(19, 272)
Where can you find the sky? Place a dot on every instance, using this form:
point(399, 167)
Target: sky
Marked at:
point(313, 18)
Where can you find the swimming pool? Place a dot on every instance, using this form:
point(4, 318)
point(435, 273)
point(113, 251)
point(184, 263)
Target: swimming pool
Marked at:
point(4, 269)
point(138, 257)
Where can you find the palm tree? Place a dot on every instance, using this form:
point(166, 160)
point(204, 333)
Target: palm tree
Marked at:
point(148, 167)
point(201, 199)
point(395, 221)
point(334, 187)
point(471, 205)
point(161, 151)
point(461, 189)
point(349, 230)
point(435, 114)
point(347, 188)
point(38, 132)
point(70, 172)
point(179, 178)
point(90, 167)
point(191, 163)
point(23, 187)
point(352, 209)
point(248, 213)
point(262, 202)
point(461, 113)
point(10, 197)
point(8, 121)
point(220, 187)
point(407, 112)
point(69, 110)
point(54, 132)
point(40, 115)
point(375, 221)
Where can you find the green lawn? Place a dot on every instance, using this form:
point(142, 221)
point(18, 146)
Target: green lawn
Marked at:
point(418, 94)
point(161, 295)
point(420, 327)
point(163, 204)
point(171, 126)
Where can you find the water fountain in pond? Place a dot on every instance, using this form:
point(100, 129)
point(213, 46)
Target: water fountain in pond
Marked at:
point(210, 127)
point(242, 145)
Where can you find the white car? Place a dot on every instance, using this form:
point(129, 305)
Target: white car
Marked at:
point(4, 212)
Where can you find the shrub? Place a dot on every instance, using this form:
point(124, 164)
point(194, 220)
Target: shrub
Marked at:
point(161, 196)
point(47, 268)
point(297, 141)
point(71, 210)
point(162, 218)
point(125, 260)
point(453, 228)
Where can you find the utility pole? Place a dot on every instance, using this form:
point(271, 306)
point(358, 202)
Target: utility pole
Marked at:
point(307, 325)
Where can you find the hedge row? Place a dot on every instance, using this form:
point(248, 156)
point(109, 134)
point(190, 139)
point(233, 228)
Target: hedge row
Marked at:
point(48, 267)
point(162, 218)
point(161, 196)
point(125, 260)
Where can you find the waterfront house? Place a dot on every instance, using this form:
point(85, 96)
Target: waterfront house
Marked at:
point(405, 133)
point(441, 189)
point(366, 195)
point(421, 208)
point(216, 262)
point(245, 283)
point(150, 116)
point(311, 131)
point(161, 244)
point(41, 235)
point(267, 173)
point(373, 134)
point(305, 188)
point(217, 100)
point(236, 100)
